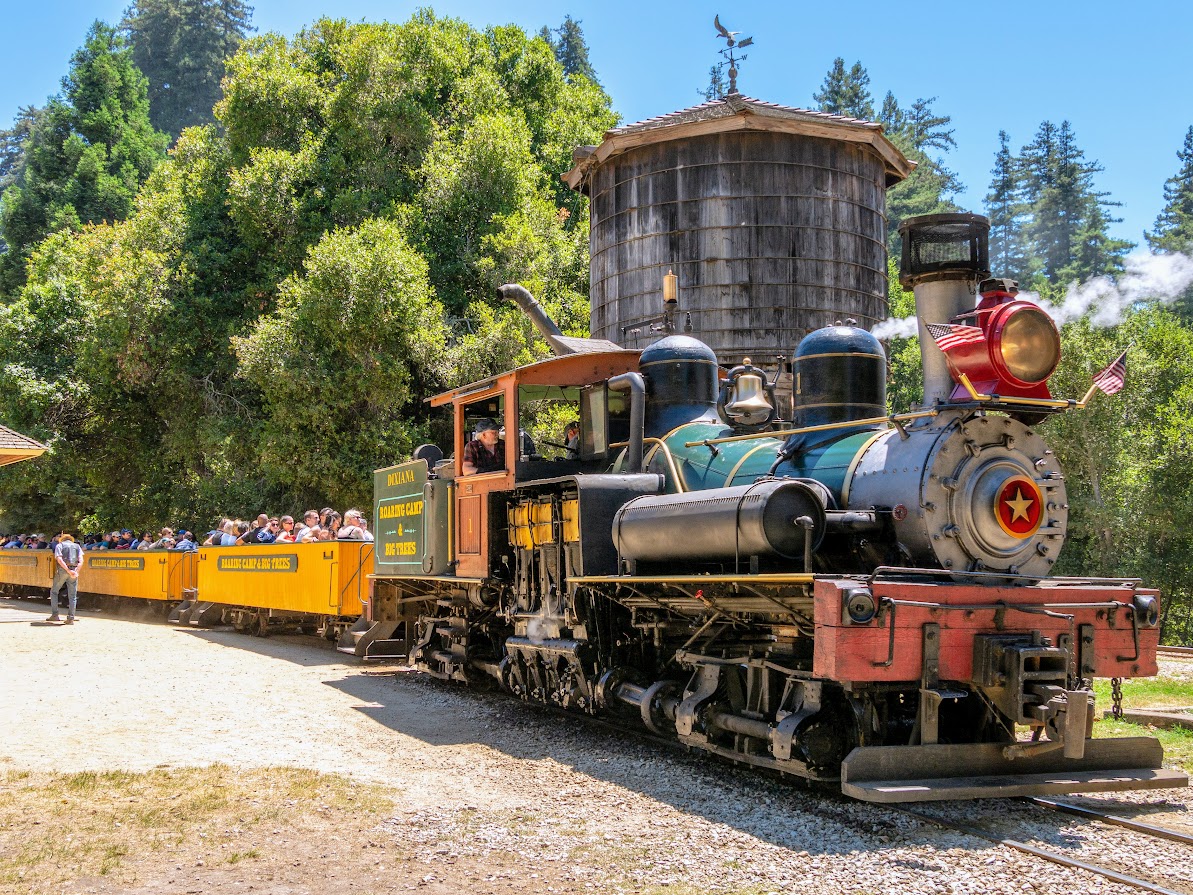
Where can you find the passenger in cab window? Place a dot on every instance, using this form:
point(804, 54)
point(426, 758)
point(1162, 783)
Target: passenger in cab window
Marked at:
point(486, 451)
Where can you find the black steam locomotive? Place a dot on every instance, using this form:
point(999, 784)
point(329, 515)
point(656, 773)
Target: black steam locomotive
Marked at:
point(849, 596)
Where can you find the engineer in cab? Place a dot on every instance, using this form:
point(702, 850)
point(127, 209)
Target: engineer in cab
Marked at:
point(486, 451)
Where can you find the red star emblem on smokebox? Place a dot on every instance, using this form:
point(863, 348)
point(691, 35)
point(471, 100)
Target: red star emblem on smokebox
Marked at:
point(1019, 507)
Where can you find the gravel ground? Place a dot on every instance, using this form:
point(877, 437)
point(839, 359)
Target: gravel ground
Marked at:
point(494, 796)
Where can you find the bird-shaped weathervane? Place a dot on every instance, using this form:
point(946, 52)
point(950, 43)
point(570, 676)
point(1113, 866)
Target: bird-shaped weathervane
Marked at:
point(731, 43)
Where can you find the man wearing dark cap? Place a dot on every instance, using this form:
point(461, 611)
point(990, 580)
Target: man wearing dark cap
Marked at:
point(68, 557)
point(486, 452)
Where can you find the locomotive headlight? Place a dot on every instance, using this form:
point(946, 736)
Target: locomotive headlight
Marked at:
point(1147, 610)
point(1024, 343)
point(860, 607)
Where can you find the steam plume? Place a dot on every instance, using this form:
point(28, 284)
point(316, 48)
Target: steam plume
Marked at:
point(1145, 277)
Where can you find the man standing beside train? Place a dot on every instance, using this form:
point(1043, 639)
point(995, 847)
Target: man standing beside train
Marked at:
point(68, 557)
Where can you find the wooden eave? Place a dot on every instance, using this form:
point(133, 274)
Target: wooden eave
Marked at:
point(15, 447)
point(896, 164)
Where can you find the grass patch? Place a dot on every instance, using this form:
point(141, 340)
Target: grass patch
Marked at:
point(1177, 743)
point(1148, 692)
point(56, 828)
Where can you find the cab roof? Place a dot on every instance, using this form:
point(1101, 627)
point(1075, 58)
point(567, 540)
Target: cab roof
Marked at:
point(568, 370)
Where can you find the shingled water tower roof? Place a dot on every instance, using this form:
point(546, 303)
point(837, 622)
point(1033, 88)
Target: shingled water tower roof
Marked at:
point(739, 113)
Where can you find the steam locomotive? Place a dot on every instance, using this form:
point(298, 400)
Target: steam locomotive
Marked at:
point(850, 596)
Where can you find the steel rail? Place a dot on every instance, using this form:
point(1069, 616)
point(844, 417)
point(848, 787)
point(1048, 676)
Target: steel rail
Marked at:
point(1054, 857)
point(1186, 651)
point(1112, 819)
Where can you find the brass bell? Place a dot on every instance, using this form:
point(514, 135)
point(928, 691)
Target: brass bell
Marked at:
point(748, 403)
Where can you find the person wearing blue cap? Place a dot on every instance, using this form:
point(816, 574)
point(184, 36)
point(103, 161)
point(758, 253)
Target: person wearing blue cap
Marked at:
point(486, 452)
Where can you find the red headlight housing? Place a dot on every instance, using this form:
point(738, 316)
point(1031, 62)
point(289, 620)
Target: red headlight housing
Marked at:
point(1021, 350)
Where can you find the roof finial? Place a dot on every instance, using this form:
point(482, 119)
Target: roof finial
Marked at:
point(731, 42)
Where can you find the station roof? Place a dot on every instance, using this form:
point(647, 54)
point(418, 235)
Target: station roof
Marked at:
point(15, 447)
point(738, 113)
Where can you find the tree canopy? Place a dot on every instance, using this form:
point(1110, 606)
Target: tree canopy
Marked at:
point(84, 156)
point(296, 278)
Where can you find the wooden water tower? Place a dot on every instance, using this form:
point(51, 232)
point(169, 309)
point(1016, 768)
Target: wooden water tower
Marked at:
point(773, 218)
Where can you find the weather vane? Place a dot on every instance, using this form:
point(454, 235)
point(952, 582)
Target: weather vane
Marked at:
point(731, 43)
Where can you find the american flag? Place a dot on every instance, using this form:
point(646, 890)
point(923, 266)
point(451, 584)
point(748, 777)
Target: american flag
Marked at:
point(949, 336)
point(1114, 377)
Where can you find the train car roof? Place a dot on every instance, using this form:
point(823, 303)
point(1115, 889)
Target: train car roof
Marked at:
point(564, 371)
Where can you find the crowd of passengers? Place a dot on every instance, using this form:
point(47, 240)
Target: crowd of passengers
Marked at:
point(316, 525)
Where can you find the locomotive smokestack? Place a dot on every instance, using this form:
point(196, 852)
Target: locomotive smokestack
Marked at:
point(554, 337)
point(944, 258)
point(542, 321)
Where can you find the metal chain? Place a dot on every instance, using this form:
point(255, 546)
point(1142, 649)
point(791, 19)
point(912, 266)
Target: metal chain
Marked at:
point(1116, 696)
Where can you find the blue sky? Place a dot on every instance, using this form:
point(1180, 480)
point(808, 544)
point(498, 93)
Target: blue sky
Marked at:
point(1118, 72)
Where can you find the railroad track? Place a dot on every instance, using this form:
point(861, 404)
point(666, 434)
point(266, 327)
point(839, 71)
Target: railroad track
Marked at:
point(1065, 860)
point(1176, 652)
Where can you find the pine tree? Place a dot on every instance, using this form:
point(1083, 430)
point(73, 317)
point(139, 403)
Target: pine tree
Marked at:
point(12, 145)
point(845, 92)
point(929, 187)
point(716, 83)
point(1067, 234)
point(180, 46)
point(570, 48)
point(1005, 211)
point(1174, 224)
point(925, 129)
point(86, 157)
point(892, 118)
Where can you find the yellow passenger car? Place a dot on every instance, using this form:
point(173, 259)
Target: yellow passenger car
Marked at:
point(159, 575)
point(25, 572)
point(327, 578)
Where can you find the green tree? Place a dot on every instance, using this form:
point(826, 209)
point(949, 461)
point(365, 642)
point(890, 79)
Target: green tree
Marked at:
point(926, 129)
point(570, 48)
point(1174, 225)
point(846, 92)
point(355, 339)
point(1126, 458)
point(1005, 210)
point(717, 85)
point(929, 188)
point(12, 146)
point(891, 117)
point(262, 330)
point(1068, 228)
point(86, 158)
point(181, 46)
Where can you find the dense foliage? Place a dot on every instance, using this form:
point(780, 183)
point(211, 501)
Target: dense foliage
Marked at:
point(261, 331)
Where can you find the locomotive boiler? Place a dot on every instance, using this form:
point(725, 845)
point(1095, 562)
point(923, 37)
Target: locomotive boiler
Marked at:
point(848, 596)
